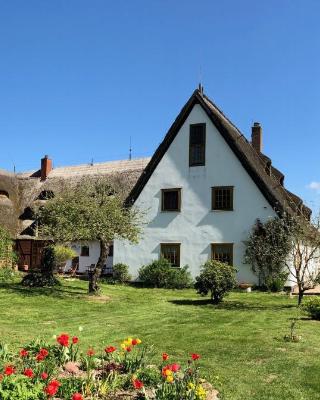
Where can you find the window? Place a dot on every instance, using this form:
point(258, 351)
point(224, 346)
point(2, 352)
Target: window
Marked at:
point(171, 252)
point(222, 198)
point(197, 145)
point(85, 251)
point(4, 194)
point(111, 250)
point(171, 199)
point(222, 252)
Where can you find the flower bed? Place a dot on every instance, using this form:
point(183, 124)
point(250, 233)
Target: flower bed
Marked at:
point(61, 371)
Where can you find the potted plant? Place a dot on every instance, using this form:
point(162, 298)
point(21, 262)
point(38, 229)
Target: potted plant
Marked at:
point(62, 254)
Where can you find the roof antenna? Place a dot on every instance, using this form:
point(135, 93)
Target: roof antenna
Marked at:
point(130, 151)
point(91, 162)
point(200, 87)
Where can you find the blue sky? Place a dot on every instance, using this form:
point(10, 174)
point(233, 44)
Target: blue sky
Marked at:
point(78, 78)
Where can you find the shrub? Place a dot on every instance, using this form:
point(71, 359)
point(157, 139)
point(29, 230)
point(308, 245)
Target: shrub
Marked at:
point(217, 278)
point(8, 275)
point(312, 307)
point(7, 255)
point(276, 284)
point(63, 253)
point(38, 279)
point(120, 273)
point(161, 274)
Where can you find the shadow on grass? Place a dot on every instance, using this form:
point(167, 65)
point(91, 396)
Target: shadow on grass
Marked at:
point(231, 305)
point(56, 291)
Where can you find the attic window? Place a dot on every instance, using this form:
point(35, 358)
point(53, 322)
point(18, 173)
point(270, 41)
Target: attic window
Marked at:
point(222, 198)
point(197, 145)
point(4, 194)
point(46, 195)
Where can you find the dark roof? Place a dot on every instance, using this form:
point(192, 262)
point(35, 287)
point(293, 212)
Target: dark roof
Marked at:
point(268, 179)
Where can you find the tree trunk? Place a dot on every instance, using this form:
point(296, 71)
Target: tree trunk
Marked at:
point(95, 275)
point(300, 295)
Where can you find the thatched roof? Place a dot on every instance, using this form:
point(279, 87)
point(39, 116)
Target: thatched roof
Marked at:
point(25, 191)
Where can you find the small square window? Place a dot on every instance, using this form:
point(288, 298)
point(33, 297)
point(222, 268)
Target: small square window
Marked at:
point(197, 145)
point(171, 199)
point(171, 252)
point(222, 252)
point(222, 198)
point(85, 252)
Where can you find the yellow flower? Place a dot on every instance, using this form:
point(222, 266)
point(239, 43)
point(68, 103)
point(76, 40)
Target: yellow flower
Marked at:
point(200, 393)
point(168, 372)
point(138, 341)
point(169, 378)
point(123, 346)
point(191, 385)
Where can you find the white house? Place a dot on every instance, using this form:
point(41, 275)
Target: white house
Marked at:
point(203, 190)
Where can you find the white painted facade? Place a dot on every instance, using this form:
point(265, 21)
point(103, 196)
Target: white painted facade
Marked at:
point(196, 227)
point(86, 261)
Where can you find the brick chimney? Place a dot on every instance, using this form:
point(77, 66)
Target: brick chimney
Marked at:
point(46, 167)
point(256, 137)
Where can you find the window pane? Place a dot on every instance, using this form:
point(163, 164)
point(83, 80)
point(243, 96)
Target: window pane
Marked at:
point(197, 144)
point(222, 198)
point(222, 252)
point(84, 251)
point(171, 200)
point(171, 252)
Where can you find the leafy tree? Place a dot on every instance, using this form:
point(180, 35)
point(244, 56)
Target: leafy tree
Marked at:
point(7, 255)
point(92, 209)
point(217, 278)
point(267, 249)
point(288, 245)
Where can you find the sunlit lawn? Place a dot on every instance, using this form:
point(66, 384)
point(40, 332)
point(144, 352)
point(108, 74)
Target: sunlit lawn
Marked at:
point(241, 341)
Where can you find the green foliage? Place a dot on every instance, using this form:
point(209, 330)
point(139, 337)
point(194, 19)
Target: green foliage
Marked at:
point(276, 283)
point(217, 279)
point(7, 255)
point(38, 279)
point(160, 274)
point(267, 249)
point(312, 307)
point(63, 253)
point(91, 210)
point(48, 262)
point(8, 275)
point(120, 273)
point(21, 388)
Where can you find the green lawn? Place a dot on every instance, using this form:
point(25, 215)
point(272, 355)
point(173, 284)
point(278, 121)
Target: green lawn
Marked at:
point(240, 341)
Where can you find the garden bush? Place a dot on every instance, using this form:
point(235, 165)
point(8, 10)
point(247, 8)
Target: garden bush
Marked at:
point(312, 307)
point(276, 284)
point(39, 279)
point(62, 370)
point(216, 278)
point(120, 273)
point(8, 275)
point(160, 274)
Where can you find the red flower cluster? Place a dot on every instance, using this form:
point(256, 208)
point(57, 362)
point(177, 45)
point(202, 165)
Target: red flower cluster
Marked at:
point(165, 356)
point(52, 387)
point(44, 376)
point(110, 349)
point(9, 370)
point(28, 372)
point(195, 356)
point(90, 352)
point(43, 353)
point(77, 396)
point(137, 384)
point(170, 367)
point(63, 340)
point(23, 353)
point(75, 340)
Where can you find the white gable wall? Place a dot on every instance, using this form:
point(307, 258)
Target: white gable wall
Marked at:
point(196, 226)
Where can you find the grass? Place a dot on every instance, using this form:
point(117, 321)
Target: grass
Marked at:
point(241, 340)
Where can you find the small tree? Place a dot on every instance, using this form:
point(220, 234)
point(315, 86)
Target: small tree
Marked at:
point(217, 278)
point(7, 255)
point(91, 210)
point(267, 249)
point(303, 261)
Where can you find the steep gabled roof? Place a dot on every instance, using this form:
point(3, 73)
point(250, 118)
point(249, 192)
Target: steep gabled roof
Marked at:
point(269, 180)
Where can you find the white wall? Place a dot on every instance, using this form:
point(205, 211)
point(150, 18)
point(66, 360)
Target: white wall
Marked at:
point(196, 226)
point(85, 262)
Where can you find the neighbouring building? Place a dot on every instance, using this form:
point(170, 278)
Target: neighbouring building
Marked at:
point(202, 191)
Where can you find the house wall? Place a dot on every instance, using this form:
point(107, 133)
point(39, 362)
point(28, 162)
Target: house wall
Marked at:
point(85, 262)
point(196, 226)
